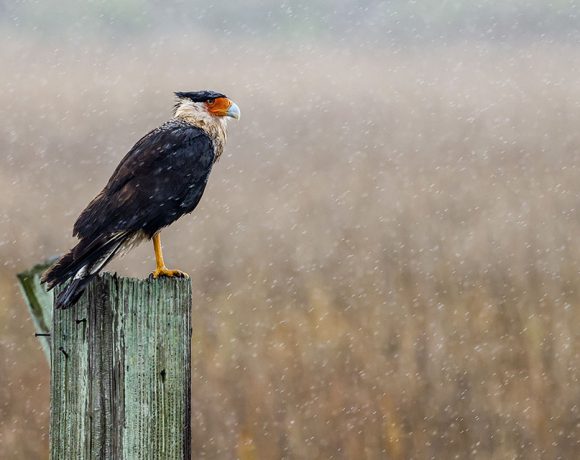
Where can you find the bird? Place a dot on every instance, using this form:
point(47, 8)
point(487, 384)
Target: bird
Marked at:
point(161, 179)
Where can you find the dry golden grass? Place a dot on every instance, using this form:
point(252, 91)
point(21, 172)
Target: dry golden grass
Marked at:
point(385, 264)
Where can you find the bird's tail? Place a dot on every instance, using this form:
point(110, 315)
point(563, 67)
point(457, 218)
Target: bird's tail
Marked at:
point(81, 263)
point(73, 292)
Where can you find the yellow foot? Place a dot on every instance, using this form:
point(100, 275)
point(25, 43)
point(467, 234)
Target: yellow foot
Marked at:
point(164, 271)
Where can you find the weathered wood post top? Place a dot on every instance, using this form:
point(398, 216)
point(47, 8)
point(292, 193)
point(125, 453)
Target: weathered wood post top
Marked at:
point(121, 370)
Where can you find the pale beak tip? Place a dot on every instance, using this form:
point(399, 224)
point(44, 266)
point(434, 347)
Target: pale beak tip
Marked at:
point(234, 111)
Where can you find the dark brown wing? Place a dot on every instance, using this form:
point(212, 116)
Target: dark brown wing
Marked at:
point(161, 178)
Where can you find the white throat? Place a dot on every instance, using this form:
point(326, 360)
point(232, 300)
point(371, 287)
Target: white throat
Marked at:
point(196, 114)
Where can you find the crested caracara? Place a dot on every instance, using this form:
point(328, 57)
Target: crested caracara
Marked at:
point(161, 178)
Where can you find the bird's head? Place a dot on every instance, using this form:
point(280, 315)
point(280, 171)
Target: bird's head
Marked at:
point(207, 102)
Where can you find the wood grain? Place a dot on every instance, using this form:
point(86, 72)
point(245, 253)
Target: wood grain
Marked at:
point(121, 372)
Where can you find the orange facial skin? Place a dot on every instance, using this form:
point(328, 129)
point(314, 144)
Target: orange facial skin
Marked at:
point(219, 106)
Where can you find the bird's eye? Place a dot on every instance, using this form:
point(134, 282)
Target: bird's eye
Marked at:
point(211, 102)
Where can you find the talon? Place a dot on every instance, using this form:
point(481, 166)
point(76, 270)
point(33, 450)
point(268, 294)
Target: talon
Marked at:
point(161, 269)
point(164, 271)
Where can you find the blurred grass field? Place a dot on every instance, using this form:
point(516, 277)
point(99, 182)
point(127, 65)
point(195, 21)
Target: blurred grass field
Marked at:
point(385, 263)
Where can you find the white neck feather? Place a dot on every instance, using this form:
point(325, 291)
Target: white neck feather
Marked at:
point(196, 114)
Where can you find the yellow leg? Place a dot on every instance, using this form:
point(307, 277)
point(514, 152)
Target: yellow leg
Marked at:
point(161, 269)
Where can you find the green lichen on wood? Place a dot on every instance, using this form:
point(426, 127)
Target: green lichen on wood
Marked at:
point(121, 374)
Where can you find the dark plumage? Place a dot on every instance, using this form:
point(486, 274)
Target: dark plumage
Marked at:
point(199, 96)
point(162, 178)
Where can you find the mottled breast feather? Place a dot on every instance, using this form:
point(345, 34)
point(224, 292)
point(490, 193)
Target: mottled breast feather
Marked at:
point(161, 178)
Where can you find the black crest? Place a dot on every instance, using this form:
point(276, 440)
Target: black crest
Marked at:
point(199, 96)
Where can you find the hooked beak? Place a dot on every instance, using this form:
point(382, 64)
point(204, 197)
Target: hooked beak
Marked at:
point(233, 111)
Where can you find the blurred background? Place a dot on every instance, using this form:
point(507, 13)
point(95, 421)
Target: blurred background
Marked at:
point(384, 264)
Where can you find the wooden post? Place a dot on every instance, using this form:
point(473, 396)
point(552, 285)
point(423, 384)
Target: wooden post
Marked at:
point(39, 303)
point(121, 372)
